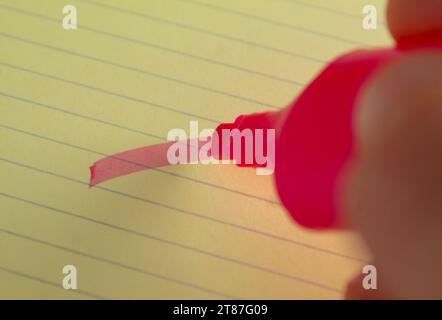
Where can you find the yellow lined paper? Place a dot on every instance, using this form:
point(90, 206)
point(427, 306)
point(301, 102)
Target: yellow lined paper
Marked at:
point(131, 72)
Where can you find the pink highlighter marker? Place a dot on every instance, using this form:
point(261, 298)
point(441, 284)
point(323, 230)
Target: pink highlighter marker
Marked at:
point(314, 135)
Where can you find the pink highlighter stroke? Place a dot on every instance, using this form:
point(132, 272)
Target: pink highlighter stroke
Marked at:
point(128, 162)
point(135, 160)
point(314, 135)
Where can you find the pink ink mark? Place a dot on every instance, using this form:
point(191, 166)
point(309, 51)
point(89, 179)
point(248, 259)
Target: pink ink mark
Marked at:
point(135, 160)
point(128, 162)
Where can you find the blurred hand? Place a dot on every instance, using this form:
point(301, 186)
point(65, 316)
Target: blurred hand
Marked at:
point(394, 189)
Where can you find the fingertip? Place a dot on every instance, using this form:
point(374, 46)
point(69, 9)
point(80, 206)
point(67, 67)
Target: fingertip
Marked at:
point(403, 89)
point(356, 291)
point(408, 18)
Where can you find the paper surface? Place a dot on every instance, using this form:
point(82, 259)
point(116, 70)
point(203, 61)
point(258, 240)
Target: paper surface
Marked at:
point(132, 71)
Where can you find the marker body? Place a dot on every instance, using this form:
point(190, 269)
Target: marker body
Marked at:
point(314, 135)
